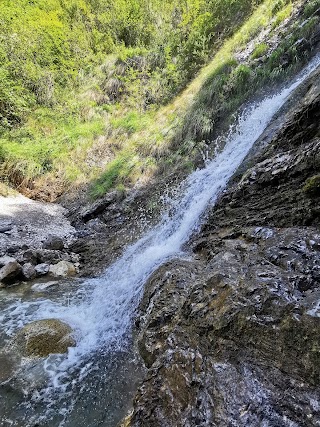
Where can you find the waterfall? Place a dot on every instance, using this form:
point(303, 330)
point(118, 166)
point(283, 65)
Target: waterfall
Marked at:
point(107, 315)
point(103, 316)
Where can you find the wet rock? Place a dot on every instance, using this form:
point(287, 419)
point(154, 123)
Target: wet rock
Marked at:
point(62, 269)
point(53, 243)
point(97, 225)
point(29, 271)
point(10, 272)
point(44, 337)
point(42, 269)
point(231, 336)
point(82, 233)
point(41, 287)
point(7, 366)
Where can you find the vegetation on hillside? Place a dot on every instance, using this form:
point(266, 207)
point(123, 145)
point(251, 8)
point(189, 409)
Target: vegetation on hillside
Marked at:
point(92, 87)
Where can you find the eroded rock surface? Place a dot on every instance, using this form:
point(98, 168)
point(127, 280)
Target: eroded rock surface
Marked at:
point(231, 336)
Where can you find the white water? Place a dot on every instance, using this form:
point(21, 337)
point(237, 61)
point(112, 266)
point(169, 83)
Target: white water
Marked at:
point(103, 317)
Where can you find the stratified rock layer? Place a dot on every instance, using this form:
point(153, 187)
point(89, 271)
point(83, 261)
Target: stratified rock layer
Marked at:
point(232, 336)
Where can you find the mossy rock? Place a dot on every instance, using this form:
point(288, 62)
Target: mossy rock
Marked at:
point(312, 186)
point(44, 337)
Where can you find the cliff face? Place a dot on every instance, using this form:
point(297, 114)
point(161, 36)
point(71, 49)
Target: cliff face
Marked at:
point(231, 336)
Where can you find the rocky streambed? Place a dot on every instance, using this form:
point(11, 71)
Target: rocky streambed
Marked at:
point(35, 241)
point(42, 381)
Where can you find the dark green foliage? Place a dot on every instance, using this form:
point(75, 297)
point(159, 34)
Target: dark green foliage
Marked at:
point(311, 7)
point(312, 186)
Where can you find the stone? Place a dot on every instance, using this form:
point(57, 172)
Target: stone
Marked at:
point(97, 225)
point(41, 287)
point(10, 272)
point(30, 256)
point(29, 271)
point(49, 256)
point(13, 249)
point(42, 269)
point(6, 227)
point(62, 269)
point(53, 243)
point(91, 211)
point(44, 337)
point(5, 260)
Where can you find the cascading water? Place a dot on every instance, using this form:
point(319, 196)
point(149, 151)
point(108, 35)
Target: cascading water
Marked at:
point(101, 310)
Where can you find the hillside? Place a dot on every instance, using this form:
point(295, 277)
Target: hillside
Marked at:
point(109, 95)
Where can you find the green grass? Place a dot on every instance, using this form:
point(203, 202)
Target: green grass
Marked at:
point(49, 142)
point(260, 50)
point(282, 15)
point(132, 122)
point(217, 92)
point(115, 175)
point(131, 99)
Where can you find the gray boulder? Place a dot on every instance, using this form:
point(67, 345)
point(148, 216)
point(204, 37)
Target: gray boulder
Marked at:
point(10, 272)
point(62, 269)
point(4, 260)
point(30, 256)
point(53, 243)
point(29, 271)
point(42, 269)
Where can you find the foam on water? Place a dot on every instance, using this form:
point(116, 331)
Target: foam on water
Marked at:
point(103, 317)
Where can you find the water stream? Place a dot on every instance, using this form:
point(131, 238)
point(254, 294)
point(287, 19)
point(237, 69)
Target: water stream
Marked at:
point(88, 386)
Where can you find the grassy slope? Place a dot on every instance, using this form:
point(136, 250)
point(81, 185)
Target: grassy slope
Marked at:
point(117, 142)
point(174, 134)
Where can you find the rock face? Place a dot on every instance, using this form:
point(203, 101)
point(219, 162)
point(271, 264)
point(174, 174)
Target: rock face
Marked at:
point(43, 337)
point(231, 338)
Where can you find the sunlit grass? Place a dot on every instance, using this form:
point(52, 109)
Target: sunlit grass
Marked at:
point(57, 140)
point(152, 138)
